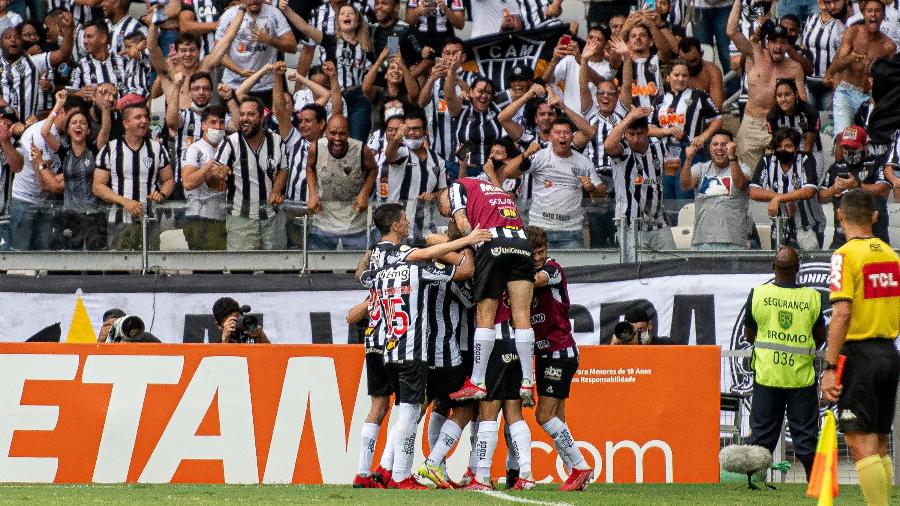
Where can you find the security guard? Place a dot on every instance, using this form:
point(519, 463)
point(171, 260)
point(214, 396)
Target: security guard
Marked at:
point(784, 322)
point(865, 321)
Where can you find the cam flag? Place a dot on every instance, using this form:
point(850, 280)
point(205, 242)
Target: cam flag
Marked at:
point(823, 482)
point(495, 55)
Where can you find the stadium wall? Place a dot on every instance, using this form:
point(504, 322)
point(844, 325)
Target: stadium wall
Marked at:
point(80, 413)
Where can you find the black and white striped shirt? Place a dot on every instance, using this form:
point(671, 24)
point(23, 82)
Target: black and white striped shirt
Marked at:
point(440, 123)
point(403, 292)
point(19, 82)
point(802, 174)
point(205, 11)
point(253, 171)
point(128, 75)
point(118, 31)
point(637, 178)
point(408, 176)
point(189, 133)
point(602, 126)
point(822, 40)
point(296, 148)
point(452, 321)
point(804, 120)
point(81, 14)
point(647, 81)
point(690, 110)
point(436, 22)
point(324, 17)
point(481, 128)
point(134, 174)
point(532, 13)
point(351, 61)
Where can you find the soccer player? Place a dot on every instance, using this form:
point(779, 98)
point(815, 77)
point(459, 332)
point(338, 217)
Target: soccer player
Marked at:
point(556, 357)
point(502, 381)
point(452, 307)
point(865, 320)
point(402, 290)
point(503, 263)
point(393, 225)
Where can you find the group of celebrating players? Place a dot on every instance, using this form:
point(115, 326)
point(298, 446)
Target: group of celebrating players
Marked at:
point(461, 324)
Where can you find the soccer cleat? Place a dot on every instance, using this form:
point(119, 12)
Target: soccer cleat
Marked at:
point(523, 484)
point(478, 486)
point(382, 476)
point(435, 475)
point(467, 477)
point(526, 392)
point(409, 483)
point(470, 391)
point(511, 476)
point(361, 481)
point(578, 480)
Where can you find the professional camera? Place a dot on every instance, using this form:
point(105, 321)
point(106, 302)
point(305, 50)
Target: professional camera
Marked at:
point(624, 331)
point(126, 328)
point(247, 323)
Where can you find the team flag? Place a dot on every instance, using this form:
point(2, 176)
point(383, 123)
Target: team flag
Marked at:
point(495, 55)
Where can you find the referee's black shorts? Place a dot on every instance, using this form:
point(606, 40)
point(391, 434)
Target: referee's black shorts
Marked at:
point(499, 261)
point(869, 394)
point(376, 373)
point(408, 379)
point(504, 372)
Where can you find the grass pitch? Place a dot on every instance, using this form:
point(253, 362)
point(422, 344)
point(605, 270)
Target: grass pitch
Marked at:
point(729, 494)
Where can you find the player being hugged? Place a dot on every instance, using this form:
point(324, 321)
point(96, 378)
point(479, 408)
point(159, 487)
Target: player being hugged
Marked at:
point(501, 264)
point(556, 357)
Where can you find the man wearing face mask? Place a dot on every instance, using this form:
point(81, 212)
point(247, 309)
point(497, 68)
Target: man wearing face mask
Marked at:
point(204, 185)
point(642, 331)
point(414, 173)
point(185, 124)
point(857, 169)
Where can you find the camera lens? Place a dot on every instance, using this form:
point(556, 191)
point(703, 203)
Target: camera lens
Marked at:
point(249, 323)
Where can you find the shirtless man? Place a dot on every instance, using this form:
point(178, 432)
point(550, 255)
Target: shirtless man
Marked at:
point(862, 44)
point(764, 66)
point(702, 75)
point(187, 62)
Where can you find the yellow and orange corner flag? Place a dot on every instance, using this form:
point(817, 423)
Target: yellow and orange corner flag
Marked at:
point(81, 330)
point(823, 482)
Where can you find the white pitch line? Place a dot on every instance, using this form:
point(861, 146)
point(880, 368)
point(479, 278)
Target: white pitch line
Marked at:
point(506, 497)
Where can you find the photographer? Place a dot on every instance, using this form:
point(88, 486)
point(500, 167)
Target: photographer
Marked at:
point(119, 327)
point(237, 326)
point(637, 328)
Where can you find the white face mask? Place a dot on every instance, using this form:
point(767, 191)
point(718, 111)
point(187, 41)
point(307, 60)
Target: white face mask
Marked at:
point(215, 136)
point(645, 337)
point(413, 144)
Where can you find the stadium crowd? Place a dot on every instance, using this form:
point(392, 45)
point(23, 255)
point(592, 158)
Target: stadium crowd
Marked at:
point(382, 103)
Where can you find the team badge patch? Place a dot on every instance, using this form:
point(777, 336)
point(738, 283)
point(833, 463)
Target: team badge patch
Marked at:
point(785, 319)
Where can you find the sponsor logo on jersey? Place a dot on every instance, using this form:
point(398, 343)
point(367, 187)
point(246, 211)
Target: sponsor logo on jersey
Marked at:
point(552, 373)
point(836, 280)
point(881, 280)
point(509, 357)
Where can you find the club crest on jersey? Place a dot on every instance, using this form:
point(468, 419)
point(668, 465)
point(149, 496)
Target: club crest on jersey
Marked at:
point(785, 319)
point(509, 357)
point(147, 161)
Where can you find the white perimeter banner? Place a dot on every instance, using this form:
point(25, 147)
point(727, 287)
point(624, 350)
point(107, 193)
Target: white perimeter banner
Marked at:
point(696, 308)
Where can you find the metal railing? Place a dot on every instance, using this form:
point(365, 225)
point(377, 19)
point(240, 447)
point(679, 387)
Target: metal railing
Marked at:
point(168, 239)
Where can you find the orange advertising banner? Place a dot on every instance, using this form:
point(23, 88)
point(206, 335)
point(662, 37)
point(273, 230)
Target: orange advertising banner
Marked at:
point(150, 413)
